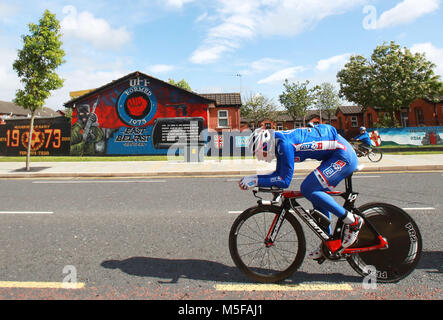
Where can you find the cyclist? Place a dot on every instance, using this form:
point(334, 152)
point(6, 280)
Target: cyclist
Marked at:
point(320, 142)
point(365, 146)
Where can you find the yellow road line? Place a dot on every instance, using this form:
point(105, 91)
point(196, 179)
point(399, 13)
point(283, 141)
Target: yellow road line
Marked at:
point(276, 287)
point(41, 285)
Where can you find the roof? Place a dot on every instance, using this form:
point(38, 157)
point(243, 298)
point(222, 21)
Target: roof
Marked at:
point(92, 92)
point(282, 116)
point(7, 107)
point(224, 99)
point(435, 99)
point(350, 109)
point(10, 108)
point(76, 94)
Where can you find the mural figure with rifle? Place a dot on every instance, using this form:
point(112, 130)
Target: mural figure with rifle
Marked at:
point(86, 136)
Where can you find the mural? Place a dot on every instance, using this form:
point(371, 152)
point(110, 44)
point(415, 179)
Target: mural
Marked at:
point(50, 137)
point(121, 119)
point(411, 136)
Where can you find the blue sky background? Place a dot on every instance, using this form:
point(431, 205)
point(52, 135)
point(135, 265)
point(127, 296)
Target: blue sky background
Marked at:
point(209, 43)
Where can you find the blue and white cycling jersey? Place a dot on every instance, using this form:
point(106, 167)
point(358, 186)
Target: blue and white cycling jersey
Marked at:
point(321, 142)
point(364, 137)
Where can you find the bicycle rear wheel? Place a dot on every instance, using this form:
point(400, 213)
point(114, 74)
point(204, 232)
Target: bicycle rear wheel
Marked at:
point(403, 237)
point(375, 155)
point(261, 262)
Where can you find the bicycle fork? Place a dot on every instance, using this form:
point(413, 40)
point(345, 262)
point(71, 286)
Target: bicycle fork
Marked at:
point(275, 227)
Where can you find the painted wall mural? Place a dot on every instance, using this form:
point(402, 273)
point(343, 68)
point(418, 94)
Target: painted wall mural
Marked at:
point(137, 116)
point(50, 137)
point(411, 136)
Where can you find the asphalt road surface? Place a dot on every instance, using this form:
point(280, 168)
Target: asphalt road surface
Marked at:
point(168, 239)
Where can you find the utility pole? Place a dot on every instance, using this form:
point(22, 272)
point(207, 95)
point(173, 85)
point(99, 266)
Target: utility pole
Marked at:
point(239, 75)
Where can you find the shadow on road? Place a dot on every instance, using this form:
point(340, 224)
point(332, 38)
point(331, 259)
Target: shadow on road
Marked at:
point(174, 269)
point(432, 261)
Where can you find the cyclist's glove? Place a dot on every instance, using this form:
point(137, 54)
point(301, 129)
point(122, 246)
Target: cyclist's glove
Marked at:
point(248, 182)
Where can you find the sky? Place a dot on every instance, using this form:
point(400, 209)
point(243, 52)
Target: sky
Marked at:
point(217, 46)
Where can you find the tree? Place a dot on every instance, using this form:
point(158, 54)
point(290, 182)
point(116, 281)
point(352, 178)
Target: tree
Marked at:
point(391, 80)
point(258, 108)
point(436, 97)
point(327, 100)
point(35, 66)
point(181, 84)
point(297, 98)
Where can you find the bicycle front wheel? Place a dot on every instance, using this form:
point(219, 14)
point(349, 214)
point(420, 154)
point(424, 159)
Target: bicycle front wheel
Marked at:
point(375, 155)
point(264, 262)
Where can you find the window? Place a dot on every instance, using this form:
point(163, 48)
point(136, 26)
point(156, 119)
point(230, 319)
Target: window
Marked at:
point(354, 121)
point(223, 119)
point(268, 125)
point(279, 126)
point(298, 124)
point(419, 116)
point(370, 122)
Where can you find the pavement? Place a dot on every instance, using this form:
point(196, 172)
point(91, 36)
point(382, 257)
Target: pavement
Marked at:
point(237, 167)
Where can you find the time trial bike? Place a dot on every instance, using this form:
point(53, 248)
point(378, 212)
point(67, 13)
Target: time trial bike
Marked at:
point(267, 242)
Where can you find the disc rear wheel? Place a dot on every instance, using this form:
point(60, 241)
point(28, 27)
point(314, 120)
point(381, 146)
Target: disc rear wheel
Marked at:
point(404, 241)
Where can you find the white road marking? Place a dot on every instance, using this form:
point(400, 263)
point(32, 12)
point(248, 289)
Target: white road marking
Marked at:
point(96, 181)
point(357, 176)
point(302, 178)
point(426, 208)
point(235, 212)
point(26, 212)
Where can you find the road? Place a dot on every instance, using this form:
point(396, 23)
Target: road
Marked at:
point(168, 239)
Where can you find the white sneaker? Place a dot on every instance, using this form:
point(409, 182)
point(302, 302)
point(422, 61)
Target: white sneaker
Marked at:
point(351, 231)
point(316, 253)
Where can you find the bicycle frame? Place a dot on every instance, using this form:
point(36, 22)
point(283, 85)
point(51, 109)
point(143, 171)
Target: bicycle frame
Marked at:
point(333, 242)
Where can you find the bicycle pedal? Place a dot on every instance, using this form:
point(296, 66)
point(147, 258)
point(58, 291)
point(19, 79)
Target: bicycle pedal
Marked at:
point(320, 260)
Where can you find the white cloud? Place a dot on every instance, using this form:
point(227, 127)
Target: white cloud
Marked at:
point(98, 32)
point(249, 19)
point(8, 78)
point(433, 54)
point(282, 75)
point(160, 68)
point(262, 65)
point(177, 4)
point(335, 62)
point(210, 54)
point(406, 11)
point(6, 11)
point(81, 80)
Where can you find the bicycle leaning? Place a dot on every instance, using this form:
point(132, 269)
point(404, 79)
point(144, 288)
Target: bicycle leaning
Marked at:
point(267, 242)
point(374, 154)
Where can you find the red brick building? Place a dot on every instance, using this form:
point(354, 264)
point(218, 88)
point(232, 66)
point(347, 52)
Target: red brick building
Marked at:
point(421, 113)
point(224, 115)
point(349, 119)
point(283, 121)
